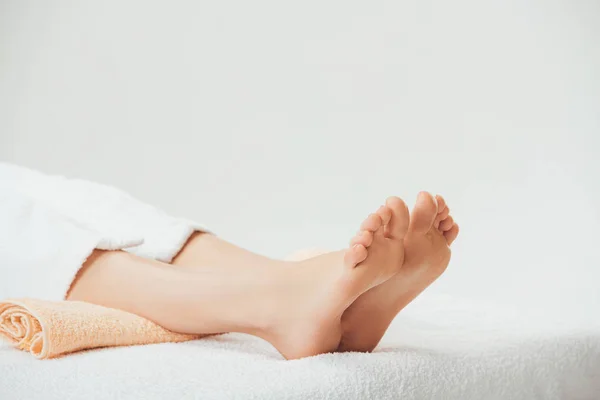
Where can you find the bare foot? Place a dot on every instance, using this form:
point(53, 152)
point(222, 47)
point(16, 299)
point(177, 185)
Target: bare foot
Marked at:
point(321, 292)
point(295, 305)
point(432, 230)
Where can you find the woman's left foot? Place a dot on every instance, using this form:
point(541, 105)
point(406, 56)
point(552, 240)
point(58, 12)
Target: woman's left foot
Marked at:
point(427, 254)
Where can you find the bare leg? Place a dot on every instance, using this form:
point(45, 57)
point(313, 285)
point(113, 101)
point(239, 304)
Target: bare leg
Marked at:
point(296, 306)
point(157, 291)
point(203, 249)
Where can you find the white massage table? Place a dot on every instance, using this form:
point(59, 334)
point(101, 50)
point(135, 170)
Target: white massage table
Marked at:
point(439, 348)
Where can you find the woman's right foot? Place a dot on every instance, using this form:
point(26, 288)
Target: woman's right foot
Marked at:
point(326, 285)
point(432, 230)
point(296, 306)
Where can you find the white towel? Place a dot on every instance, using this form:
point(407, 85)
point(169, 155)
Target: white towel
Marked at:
point(439, 348)
point(49, 225)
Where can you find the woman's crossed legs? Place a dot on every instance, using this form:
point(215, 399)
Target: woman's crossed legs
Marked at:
point(338, 301)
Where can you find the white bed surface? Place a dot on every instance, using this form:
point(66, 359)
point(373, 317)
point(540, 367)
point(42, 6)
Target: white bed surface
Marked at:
point(439, 348)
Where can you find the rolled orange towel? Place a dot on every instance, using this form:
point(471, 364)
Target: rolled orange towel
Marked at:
point(49, 329)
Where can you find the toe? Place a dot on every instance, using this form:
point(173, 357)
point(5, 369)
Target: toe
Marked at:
point(399, 221)
point(451, 234)
point(354, 255)
point(441, 203)
point(442, 215)
point(446, 224)
point(385, 214)
point(442, 210)
point(364, 238)
point(372, 223)
point(423, 214)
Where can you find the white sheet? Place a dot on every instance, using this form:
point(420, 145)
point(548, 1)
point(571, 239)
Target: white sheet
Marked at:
point(439, 348)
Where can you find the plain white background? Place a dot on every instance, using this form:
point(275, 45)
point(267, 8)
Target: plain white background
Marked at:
point(280, 125)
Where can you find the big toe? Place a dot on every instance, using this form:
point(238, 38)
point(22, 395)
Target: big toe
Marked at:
point(399, 221)
point(424, 213)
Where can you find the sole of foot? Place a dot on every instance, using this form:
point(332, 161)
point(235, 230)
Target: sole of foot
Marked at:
point(320, 289)
point(426, 256)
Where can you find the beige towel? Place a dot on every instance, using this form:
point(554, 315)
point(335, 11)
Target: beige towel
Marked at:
point(50, 329)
